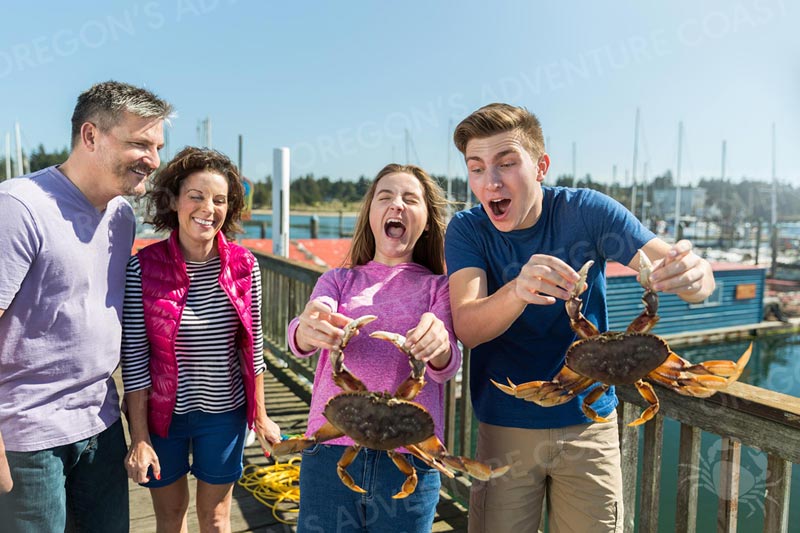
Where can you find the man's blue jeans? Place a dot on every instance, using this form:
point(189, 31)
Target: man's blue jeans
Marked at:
point(79, 487)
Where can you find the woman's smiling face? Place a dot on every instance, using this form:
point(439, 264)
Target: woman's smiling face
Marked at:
point(201, 206)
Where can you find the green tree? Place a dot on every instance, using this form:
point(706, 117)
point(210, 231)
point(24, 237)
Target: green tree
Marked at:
point(41, 158)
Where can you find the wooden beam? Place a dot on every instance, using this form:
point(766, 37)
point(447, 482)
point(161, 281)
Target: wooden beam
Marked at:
point(651, 474)
point(729, 418)
point(629, 456)
point(776, 497)
point(688, 474)
point(730, 468)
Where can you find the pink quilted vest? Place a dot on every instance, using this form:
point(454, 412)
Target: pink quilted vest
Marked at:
point(164, 288)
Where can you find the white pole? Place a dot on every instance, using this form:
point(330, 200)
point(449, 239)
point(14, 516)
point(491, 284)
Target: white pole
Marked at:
point(20, 172)
point(8, 155)
point(280, 201)
point(678, 181)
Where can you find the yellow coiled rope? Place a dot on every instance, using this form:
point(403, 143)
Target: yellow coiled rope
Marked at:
point(275, 485)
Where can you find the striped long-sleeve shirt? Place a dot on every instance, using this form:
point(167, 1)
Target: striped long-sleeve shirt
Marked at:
point(209, 376)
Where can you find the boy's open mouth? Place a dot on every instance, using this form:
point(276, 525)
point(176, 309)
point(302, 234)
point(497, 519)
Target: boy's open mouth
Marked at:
point(499, 207)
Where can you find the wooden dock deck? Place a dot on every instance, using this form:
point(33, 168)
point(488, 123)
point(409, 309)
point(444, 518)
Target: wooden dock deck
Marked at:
point(250, 516)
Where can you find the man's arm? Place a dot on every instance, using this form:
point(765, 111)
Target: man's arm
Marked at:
point(5, 473)
point(678, 270)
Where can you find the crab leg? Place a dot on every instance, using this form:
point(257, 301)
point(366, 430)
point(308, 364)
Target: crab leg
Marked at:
point(561, 389)
point(409, 388)
point(433, 448)
point(410, 484)
point(701, 380)
point(341, 374)
point(429, 460)
point(579, 323)
point(649, 317)
point(341, 468)
point(590, 399)
point(647, 392)
point(296, 444)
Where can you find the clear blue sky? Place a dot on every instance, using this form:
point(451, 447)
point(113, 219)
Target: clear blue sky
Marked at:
point(341, 82)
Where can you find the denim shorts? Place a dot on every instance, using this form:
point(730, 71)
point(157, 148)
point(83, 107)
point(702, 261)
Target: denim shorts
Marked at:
point(81, 486)
point(328, 506)
point(216, 442)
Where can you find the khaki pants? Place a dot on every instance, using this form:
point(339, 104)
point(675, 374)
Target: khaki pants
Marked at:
point(577, 467)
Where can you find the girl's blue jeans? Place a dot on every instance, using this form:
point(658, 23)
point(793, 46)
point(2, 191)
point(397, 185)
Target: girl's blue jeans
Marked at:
point(328, 506)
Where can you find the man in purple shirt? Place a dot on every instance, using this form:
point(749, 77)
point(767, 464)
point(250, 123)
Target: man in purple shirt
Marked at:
point(65, 238)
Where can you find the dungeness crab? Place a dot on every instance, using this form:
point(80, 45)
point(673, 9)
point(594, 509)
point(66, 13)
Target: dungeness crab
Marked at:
point(384, 421)
point(619, 358)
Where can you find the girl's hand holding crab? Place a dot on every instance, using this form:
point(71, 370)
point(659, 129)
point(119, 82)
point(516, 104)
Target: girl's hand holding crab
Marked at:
point(319, 327)
point(429, 341)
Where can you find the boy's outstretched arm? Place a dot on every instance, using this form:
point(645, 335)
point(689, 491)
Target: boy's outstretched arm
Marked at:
point(479, 317)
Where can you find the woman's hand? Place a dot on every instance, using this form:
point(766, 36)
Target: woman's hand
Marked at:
point(429, 341)
point(268, 433)
point(142, 456)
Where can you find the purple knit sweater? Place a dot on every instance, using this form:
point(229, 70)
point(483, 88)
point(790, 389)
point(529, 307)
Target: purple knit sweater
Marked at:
point(398, 296)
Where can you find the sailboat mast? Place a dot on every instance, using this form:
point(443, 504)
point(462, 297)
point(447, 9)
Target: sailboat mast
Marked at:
point(644, 192)
point(8, 155)
point(678, 183)
point(20, 171)
point(574, 165)
point(774, 183)
point(447, 171)
point(635, 161)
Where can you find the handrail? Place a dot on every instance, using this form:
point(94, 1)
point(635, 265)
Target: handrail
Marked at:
point(743, 415)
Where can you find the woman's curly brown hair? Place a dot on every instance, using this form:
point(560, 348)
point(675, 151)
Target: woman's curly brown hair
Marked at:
point(167, 186)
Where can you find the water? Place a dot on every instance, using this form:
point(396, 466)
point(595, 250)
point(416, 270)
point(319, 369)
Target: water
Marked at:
point(775, 365)
point(300, 226)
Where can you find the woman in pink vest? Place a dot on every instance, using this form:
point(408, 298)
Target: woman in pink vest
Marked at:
point(397, 274)
point(192, 344)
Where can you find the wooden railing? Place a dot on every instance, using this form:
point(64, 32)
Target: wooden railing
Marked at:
point(743, 415)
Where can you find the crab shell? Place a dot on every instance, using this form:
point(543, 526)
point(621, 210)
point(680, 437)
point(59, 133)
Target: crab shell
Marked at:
point(617, 358)
point(379, 421)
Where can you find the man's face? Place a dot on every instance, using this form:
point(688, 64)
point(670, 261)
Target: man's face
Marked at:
point(128, 152)
point(506, 180)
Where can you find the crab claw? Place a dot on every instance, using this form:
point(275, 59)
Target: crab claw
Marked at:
point(645, 269)
point(353, 326)
point(341, 375)
point(395, 338)
point(414, 383)
point(580, 286)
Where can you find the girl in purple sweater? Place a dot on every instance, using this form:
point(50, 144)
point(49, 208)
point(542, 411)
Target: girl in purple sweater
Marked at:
point(397, 274)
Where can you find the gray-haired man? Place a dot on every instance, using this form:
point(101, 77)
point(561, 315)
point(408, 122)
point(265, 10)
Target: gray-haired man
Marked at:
point(66, 236)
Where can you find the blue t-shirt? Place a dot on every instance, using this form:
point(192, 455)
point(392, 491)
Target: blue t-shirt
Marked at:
point(575, 225)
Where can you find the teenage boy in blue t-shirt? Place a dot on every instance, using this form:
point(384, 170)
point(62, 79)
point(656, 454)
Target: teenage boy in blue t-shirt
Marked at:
point(510, 260)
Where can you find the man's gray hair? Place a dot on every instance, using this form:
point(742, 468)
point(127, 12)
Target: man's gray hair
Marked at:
point(104, 103)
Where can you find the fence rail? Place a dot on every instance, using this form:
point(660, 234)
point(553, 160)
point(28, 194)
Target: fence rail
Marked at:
point(743, 415)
